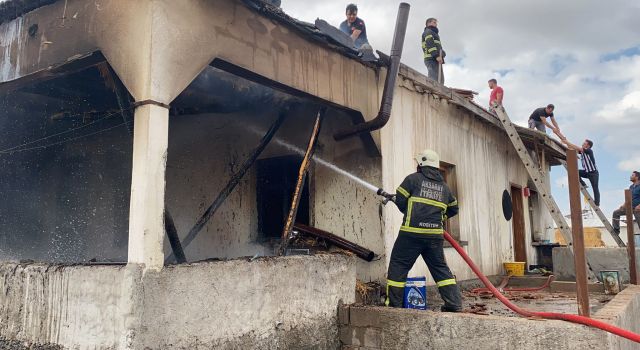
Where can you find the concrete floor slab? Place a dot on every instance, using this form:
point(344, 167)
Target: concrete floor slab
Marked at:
point(388, 328)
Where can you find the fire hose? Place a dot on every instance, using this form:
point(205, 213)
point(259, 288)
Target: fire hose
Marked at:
point(502, 287)
point(548, 315)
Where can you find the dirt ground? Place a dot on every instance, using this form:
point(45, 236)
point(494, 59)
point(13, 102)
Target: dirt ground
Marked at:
point(534, 301)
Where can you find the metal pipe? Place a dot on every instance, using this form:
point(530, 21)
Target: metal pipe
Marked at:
point(302, 175)
point(358, 250)
point(631, 246)
point(390, 82)
point(579, 257)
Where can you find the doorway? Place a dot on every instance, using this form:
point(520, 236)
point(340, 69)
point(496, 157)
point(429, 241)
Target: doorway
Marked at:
point(276, 182)
point(519, 240)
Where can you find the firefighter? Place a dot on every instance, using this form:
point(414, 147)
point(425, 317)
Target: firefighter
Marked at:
point(426, 201)
point(433, 52)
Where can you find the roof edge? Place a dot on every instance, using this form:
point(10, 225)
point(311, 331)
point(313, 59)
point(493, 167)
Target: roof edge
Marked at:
point(12, 9)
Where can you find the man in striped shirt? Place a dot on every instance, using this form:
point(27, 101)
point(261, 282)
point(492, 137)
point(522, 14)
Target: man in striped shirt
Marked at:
point(589, 169)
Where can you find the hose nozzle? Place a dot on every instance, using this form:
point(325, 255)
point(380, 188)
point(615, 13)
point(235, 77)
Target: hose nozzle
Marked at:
point(387, 196)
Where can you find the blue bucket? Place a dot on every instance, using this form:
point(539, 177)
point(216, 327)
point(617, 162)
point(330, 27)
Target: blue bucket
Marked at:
point(415, 293)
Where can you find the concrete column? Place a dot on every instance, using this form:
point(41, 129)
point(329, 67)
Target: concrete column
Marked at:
point(146, 219)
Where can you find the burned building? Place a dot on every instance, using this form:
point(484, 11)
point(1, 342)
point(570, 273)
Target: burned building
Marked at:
point(117, 113)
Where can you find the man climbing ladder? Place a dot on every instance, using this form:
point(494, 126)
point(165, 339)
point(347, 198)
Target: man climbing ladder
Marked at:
point(589, 168)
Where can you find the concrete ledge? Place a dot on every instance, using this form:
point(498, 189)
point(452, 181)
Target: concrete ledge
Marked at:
point(284, 302)
point(389, 328)
point(624, 312)
point(413, 329)
point(570, 287)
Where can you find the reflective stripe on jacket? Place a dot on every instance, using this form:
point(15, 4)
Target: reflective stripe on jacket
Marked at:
point(431, 45)
point(426, 201)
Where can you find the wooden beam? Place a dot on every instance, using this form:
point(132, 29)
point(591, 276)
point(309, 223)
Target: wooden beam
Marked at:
point(302, 174)
point(235, 179)
point(631, 246)
point(579, 257)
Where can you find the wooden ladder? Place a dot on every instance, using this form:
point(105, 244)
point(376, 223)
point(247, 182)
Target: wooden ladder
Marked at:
point(538, 178)
point(599, 213)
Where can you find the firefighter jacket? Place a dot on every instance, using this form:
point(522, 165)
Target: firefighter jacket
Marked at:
point(431, 45)
point(426, 201)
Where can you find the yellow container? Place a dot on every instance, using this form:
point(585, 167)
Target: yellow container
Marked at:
point(514, 268)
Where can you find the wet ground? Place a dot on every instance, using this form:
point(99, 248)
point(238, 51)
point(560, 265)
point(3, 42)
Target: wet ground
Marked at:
point(544, 300)
point(534, 301)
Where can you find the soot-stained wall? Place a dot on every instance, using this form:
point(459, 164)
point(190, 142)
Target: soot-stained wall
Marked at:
point(65, 179)
point(205, 150)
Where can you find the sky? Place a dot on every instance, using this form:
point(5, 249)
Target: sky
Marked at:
point(581, 55)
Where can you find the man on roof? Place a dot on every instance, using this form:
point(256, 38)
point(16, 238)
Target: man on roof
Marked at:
point(497, 93)
point(538, 120)
point(432, 50)
point(354, 26)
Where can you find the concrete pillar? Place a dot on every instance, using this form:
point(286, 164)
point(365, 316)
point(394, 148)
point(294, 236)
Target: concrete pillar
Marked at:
point(146, 219)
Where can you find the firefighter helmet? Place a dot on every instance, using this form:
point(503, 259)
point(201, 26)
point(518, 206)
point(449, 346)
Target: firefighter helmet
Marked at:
point(428, 157)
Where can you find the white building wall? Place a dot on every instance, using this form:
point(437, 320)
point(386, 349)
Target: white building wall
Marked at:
point(485, 164)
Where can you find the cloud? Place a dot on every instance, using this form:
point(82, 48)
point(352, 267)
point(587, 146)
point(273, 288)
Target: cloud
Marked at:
point(541, 51)
point(632, 164)
point(562, 182)
point(624, 111)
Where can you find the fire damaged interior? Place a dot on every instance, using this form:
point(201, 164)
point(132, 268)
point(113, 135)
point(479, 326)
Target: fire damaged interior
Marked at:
point(66, 155)
point(66, 151)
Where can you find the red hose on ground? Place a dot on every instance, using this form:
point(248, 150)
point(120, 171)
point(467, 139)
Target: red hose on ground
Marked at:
point(548, 315)
point(503, 287)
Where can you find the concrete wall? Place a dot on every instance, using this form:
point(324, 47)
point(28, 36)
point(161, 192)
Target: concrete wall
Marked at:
point(599, 259)
point(485, 164)
point(288, 302)
point(158, 47)
point(623, 312)
point(387, 328)
point(76, 306)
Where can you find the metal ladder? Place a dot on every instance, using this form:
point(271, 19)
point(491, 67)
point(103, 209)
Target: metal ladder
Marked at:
point(599, 212)
point(538, 180)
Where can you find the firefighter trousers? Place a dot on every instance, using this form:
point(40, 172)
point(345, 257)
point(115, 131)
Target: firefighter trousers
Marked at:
point(407, 248)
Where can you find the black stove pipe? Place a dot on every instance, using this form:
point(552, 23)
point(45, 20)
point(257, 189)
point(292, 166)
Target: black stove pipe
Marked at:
point(390, 82)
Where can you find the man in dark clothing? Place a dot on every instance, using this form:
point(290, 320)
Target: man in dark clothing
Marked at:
point(433, 52)
point(354, 26)
point(426, 201)
point(589, 169)
point(538, 120)
point(635, 203)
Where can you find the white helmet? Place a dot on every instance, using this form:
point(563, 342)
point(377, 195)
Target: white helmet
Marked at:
point(428, 157)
